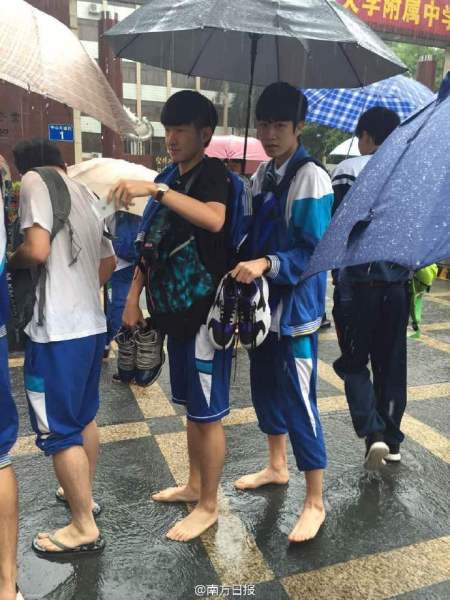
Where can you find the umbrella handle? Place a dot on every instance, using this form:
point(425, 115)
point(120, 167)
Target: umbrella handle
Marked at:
point(254, 37)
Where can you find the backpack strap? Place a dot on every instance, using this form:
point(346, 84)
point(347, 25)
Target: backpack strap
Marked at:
point(61, 206)
point(278, 189)
point(171, 172)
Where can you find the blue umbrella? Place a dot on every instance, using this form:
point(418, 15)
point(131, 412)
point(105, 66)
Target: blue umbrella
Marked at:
point(342, 107)
point(399, 208)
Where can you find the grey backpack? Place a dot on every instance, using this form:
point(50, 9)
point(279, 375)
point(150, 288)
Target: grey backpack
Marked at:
point(23, 283)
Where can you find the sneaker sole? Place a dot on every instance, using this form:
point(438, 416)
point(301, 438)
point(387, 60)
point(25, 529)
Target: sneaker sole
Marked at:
point(156, 375)
point(376, 456)
point(393, 458)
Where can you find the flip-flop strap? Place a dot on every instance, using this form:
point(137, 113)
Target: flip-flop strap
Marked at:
point(58, 544)
point(60, 495)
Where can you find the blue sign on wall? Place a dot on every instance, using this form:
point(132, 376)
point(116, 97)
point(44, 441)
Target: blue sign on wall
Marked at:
point(60, 133)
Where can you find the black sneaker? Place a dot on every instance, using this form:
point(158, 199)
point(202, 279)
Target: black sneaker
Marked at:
point(394, 455)
point(376, 452)
point(126, 360)
point(149, 354)
point(222, 317)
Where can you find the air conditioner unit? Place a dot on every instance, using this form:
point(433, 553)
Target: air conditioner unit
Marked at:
point(94, 9)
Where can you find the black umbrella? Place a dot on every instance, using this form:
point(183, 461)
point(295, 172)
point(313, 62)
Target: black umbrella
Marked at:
point(309, 43)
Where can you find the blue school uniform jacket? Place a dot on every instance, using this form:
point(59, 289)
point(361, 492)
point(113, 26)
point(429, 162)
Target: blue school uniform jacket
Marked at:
point(305, 211)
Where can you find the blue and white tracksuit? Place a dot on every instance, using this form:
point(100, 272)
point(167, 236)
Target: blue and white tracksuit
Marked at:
point(284, 367)
point(8, 412)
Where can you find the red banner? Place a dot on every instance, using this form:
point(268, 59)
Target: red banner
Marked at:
point(428, 19)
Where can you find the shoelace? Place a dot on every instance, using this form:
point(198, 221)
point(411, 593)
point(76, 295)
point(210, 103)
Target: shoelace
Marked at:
point(148, 344)
point(226, 313)
point(247, 314)
point(127, 351)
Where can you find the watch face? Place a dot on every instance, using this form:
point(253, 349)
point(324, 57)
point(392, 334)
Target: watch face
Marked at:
point(163, 187)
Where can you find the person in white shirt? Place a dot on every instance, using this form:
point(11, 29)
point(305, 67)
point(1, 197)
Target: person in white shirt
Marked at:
point(63, 354)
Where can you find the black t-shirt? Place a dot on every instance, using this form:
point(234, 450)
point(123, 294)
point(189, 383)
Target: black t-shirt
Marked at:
point(210, 184)
point(207, 182)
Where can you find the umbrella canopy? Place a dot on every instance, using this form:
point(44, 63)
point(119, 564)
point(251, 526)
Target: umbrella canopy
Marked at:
point(310, 43)
point(100, 174)
point(347, 148)
point(399, 208)
point(231, 147)
point(341, 108)
point(41, 54)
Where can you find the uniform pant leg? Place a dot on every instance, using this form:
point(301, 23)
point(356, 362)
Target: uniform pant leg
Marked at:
point(299, 401)
point(389, 360)
point(356, 320)
point(265, 387)
point(8, 412)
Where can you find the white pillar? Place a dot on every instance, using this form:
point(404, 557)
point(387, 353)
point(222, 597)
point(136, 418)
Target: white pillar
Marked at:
point(138, 90)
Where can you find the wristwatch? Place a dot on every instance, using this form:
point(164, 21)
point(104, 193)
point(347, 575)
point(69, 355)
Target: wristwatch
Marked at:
point(161, 188)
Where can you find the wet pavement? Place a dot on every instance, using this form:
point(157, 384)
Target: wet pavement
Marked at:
point(387, 535)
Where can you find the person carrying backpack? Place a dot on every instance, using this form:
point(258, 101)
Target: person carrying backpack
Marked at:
point(292, 198)
point(64, 243)
point(8, 437)
point(184, 253)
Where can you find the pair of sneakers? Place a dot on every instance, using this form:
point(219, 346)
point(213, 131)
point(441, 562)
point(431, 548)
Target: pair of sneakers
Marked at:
point(242, 310)
point(141, 355)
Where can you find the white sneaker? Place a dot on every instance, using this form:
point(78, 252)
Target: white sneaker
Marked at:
point(376, 455)
point(393, 457)
point(253, 313)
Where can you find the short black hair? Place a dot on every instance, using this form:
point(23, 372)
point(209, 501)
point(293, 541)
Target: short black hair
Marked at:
point(281, 101)
point(189, 108)
point(37, 152)
point(379, 122)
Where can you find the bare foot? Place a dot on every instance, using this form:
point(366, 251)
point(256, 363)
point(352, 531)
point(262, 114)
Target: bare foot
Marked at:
point(264, 477)
point(198, 521)
point(183, 493)
point(309, 523)
point(70, 536)
point(7, 592)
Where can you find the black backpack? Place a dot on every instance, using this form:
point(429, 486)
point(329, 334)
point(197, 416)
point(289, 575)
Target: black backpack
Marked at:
point(22, 283)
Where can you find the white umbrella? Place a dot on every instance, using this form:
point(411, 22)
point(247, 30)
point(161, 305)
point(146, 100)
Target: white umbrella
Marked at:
point(347, 148)
point(101, 174)
point(41, 54)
